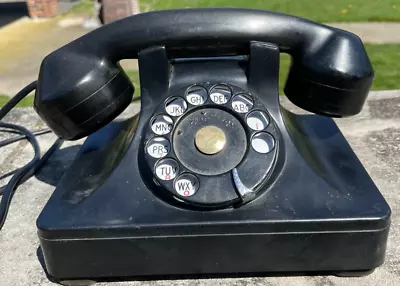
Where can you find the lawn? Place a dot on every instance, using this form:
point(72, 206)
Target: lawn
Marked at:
point(26, 102)
point(385, 60)
point(317, 10)
point(134, 76)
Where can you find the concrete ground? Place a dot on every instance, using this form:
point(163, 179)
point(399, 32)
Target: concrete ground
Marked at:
point(374, 135)
point(373, 32)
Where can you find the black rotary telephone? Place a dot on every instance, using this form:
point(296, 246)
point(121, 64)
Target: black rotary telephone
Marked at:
point(214, 176)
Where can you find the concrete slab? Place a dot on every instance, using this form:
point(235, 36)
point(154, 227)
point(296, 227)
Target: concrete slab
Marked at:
point(373, 32)
point(374, 135)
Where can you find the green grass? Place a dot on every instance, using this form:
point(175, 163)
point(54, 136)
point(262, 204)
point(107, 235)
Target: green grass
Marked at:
point(385, 60)
point(134, 76)
point(26, 102)
point(317, 10)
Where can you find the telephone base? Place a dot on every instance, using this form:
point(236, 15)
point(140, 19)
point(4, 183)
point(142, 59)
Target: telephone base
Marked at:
point(323, 214)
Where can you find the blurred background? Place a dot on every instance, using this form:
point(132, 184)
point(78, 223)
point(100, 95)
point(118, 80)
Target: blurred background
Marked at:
point(31, 29)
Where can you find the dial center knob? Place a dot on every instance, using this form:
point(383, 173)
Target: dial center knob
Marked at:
point(210, 140)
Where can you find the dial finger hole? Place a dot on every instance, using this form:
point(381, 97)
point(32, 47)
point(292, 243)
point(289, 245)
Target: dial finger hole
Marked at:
point(242, 103)
point(167, 169)
point(196, 95)
point(162, 125)
point(158, 147)
point(176, 106)
point(263, 142)
point(186, 185)
point(220, 94)
point(257, 120)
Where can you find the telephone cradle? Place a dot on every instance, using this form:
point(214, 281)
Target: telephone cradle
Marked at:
point(214, 176)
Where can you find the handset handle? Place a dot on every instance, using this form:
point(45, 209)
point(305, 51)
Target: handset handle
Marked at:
point(224, 30)
point(330, 74)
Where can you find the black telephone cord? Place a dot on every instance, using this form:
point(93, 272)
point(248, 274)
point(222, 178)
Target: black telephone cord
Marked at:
point(22, 136)
point(24, 173)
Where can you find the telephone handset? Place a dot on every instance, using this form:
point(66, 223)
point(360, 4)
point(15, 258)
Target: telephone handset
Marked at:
point(213, 159)
point(82, 87)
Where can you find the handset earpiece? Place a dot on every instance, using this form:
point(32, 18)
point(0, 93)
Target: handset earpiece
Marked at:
point(332, 79)
point(78, 93)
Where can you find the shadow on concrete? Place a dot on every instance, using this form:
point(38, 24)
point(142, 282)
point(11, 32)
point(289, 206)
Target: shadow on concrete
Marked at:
point(40, 257)
point(52, 172)
point(11, 11)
